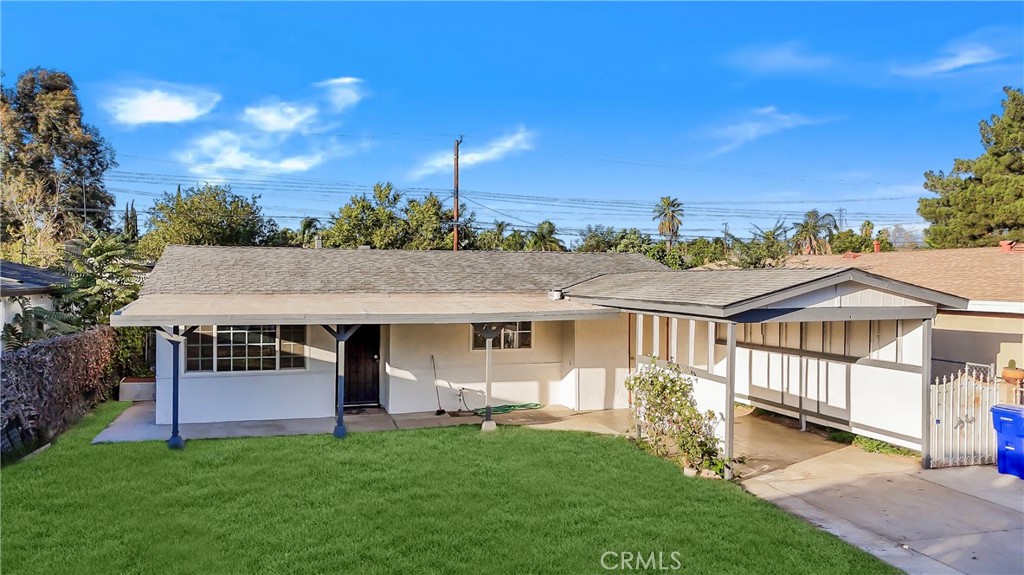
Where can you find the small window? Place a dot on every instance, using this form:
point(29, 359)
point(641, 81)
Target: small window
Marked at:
point(293, 346)
point(517, 336)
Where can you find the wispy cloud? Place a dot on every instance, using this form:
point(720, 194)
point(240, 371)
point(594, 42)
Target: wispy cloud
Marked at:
point(280, 116)
point(756, 125)
point(955, 57)
point(222, 150)
point(343, 92)
point(163, 103)
point(778, 58)
point(521, 139)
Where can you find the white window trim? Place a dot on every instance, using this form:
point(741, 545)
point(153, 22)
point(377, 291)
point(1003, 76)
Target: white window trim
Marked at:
point(185, 372)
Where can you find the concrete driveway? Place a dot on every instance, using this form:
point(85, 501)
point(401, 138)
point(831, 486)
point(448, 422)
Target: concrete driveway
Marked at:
point(958, 520)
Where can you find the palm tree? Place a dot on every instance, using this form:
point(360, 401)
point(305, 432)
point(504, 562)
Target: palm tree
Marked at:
point(814, 234)
point(543, 239)
point(308, 228)
point(515, 241)
point(669, 214)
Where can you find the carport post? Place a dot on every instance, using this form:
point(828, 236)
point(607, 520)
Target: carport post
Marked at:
point(926, 391)
point(730, 396)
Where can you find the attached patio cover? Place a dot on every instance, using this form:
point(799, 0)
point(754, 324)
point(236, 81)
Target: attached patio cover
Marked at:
point(760, 295)
point(208, 285)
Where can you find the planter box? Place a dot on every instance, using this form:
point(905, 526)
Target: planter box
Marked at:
point(137, 389)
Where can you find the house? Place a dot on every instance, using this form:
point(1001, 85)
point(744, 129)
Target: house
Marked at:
point(278, 333)
point(990, 331)
point(37, 285)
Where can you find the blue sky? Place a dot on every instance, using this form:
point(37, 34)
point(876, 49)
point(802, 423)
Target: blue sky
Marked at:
point(581, 113)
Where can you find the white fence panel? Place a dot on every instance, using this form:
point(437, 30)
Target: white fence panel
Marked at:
point(962, 431)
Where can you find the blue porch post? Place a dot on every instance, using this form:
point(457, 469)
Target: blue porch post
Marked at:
point(341, 334)
point(339, 371)
point(175, 442)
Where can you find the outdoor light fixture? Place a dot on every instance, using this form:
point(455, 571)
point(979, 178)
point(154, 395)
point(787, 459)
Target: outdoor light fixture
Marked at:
point(489, 331)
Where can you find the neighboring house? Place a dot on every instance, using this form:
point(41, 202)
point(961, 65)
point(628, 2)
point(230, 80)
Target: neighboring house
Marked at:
point(37, 285)
point(273, 333)
point(990, 331)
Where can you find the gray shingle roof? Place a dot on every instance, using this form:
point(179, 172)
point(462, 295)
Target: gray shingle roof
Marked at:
point(256, 270)
point(715, 288)
point(22, 279)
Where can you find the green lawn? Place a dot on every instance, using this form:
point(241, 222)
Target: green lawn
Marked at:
point(447, 500)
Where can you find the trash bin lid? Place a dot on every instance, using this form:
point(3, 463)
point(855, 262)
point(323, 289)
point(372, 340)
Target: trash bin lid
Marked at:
point(1009, 410)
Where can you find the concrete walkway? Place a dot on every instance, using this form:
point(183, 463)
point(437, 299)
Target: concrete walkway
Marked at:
point(959, 520)
point(138, 423)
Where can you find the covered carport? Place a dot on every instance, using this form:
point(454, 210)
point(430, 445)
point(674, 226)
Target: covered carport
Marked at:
point(841, 348)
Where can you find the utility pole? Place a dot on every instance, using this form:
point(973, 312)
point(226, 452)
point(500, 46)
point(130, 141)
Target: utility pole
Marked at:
point(455, 234)
point(842, 218)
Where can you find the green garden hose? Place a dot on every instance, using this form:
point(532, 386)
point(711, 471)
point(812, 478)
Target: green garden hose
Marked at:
point(507, 408)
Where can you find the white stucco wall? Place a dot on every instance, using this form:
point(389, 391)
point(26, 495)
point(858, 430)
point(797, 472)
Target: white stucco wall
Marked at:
point(580, 365)
point(240, 396)
point(10, 308)
point(519, 375)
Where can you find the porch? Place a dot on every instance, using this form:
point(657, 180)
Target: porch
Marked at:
point(138, 423)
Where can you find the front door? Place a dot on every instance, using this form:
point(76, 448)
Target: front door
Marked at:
point(362, 366)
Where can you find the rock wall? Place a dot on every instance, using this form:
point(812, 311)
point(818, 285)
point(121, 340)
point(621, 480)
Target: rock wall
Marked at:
point(49, 385)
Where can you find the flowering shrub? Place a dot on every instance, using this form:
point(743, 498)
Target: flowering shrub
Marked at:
point(667, 412)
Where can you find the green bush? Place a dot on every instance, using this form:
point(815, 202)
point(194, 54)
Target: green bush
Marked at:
point(667, 411)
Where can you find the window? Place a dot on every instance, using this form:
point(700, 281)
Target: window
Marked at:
point(293, 346)
point(245, 348)
point(519, 337)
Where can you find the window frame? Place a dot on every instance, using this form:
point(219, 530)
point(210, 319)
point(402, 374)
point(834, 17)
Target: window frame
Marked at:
point(233, 373)
point(501, 338)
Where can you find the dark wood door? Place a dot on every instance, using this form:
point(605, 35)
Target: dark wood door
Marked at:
point(362, 366)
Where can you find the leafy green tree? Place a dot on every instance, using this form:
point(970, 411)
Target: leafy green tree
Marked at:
point(208, 215)
point(814, 234)
point(669, 215)
point(981, 201)
point(543, 239)
point(52, 161)
point(633, 241)
point(33, 323)
point(368, 221)
point(596, 239)
point(703, 251)
point(429, 225)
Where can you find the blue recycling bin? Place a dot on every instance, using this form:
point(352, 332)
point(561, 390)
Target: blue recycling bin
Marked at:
point(1009, 423)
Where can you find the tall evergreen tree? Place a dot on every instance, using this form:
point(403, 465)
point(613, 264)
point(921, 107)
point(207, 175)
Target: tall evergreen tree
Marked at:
point(981, 201)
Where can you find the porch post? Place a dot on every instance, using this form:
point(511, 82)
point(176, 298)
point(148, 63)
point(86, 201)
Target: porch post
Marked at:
point(175, 441)
point(488, 423)
point(730, 396)
point(926, 391)
point(339, 372)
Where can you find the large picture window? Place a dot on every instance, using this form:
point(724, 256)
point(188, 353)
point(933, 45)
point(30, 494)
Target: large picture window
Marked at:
point(519, 337)
point(245, 348)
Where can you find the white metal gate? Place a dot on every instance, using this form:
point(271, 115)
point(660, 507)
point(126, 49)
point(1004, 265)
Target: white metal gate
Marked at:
point(962, 431)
